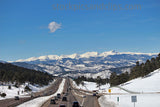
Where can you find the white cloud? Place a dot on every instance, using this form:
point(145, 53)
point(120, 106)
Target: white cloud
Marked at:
point(53, 26)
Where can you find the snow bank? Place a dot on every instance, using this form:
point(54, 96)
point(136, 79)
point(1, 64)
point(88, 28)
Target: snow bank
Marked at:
point(37, 102)
point(105, 102)
point(12, 92)
point(143, 100)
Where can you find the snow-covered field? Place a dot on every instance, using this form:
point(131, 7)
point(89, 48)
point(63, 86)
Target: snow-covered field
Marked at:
point(11, 93)
point(37, 102)
point(90, 86)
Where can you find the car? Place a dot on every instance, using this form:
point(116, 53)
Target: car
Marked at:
point(64, 99)
point(52, 101)
point(16, 97)
point(62, 105)
point(75, 104)
point(58, 95)
point(65, 94)
point(55, 98)
point(94, 94)
point(84, 96)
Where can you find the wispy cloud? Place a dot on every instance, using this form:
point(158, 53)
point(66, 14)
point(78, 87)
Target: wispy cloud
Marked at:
point(53, 26)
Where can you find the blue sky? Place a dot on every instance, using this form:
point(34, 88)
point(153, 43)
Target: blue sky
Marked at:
point(24, 28)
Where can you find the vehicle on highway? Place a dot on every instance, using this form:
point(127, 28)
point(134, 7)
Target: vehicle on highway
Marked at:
point(52, 101)
point(64, 99)
point(94, 94)
point(62, 105)
point(84, 96)
point(55, 98)
point(65, 94)
point(16, 98)
point(58, 95)
point(75, 104)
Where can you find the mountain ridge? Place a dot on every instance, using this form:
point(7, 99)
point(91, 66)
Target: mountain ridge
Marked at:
point(78, 56)
point(90, 62)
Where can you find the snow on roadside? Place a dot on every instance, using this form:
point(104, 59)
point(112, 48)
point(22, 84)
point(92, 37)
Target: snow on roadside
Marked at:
point(143, 100)
point(12, 92)
point(90, 86)
point(38, 88)
point(37, 102)
point(117, 90)
point(105, 102)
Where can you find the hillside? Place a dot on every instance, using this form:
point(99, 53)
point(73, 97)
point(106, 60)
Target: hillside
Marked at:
point(12, 73)
point(139, 70)
point(149, 83)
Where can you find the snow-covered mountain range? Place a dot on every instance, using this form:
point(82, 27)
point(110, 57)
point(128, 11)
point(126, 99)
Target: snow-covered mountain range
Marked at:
point(89, 62)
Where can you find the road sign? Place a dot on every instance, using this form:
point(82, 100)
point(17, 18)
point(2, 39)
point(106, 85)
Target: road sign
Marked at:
point(134, 98)
point(109, 90)
point(117, 99)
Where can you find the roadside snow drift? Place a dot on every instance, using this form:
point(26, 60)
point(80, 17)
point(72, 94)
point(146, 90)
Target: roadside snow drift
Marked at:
point(37, 102)
point(12, 92)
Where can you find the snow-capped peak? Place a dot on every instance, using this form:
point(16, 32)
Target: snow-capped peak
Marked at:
point(89, 54)
point(105, 54)
point(73, 56)
point(53, 57)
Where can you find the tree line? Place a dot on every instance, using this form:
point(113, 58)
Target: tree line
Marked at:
point(12, 73)
point(99, 81)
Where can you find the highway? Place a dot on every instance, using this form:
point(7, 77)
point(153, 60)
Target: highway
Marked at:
point(74, 94)
point(70, 97)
